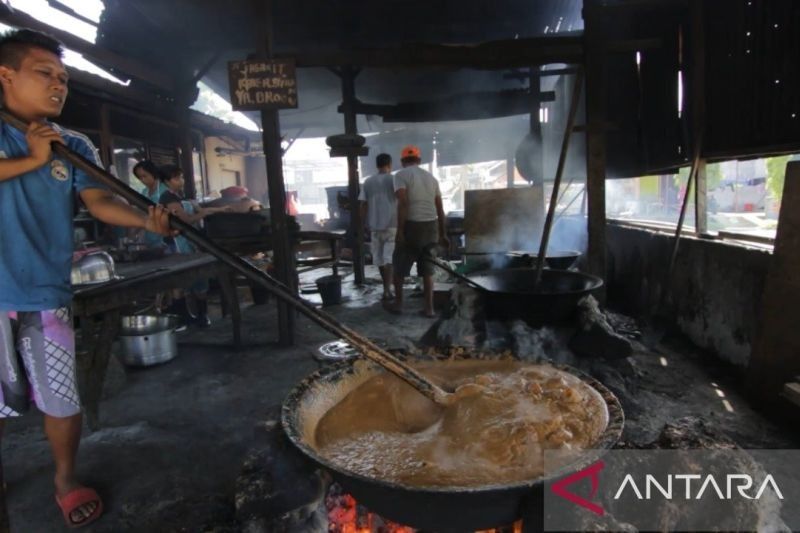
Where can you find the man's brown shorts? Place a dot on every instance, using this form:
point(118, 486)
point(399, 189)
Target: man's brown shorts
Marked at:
point(418, 235)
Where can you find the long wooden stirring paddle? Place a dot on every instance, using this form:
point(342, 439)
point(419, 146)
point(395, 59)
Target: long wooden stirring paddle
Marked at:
point(367, 348)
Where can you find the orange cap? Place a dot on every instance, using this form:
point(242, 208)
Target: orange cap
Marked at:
point(410, 151)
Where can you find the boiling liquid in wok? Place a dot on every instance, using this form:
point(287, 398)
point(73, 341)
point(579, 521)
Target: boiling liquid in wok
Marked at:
point(507, 414)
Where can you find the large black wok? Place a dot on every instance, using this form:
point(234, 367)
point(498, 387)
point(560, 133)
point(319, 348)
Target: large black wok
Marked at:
point(509, 294)
point(558, 259)
point(440, 508)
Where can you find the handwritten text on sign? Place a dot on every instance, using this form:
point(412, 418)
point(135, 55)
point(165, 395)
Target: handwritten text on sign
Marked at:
point(262, 84)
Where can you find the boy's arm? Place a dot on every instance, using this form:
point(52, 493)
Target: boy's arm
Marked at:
point(39, 137)
point(106, 208)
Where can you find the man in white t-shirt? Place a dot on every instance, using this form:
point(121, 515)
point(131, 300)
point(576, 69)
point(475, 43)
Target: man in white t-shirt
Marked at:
point(379, 211)
point(420, 223)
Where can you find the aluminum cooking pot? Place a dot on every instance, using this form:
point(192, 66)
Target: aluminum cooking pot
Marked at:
point(147, 340)
point(96, 267)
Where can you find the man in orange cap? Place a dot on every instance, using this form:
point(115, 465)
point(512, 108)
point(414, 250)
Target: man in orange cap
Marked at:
point(420, 223)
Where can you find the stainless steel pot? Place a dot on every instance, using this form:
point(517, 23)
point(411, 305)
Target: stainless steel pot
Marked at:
point(147, 340)
point(96, 267)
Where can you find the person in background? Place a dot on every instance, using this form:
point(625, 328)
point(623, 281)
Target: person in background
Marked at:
point(189, 212)
point(420, 223)
point(292, 204)
point(379, 214)
point(149, 174)
point(37, 342)
point(236, 199)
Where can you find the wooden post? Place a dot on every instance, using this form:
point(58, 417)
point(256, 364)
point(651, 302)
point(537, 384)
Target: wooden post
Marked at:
point(510, 171)
point(186, 98)
point(106, 146)
point(562, 160)
point(281, 243)
point(700, 197)
point(535, 122)
point(348, 76)
point(698, 90)
point(535, 130)
point(595, 51)
point(774, 361)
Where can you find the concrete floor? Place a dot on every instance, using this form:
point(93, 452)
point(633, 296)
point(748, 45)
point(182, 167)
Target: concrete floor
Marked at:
point(174, 436)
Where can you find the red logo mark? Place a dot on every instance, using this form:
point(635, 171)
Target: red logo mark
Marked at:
point(593, 472)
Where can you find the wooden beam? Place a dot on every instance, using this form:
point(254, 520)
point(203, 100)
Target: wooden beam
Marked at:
point(56, 4)
point(635, 4)
point(123, 64)
point(187, 148)
point(87, 83)
point(700, 199)
point(348, 76)
point(777, 341)
point(282, 247)
point(206, 67)
point(536, 160)
point(596, 95)
point(632, 45)
point(525, 75)
point(562, 160)
point(698, 111)
point(492, 55)
point(466, 106)
point(744, 237)
point(106, 145)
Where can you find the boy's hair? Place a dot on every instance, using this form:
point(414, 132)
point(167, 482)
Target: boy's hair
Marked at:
point(14, 44)
point(170, 171)
point(149, 167)
point(411, 160)
point(383, 160)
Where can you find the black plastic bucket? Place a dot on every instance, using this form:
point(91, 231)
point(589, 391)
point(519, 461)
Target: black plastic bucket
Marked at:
point(330, 288)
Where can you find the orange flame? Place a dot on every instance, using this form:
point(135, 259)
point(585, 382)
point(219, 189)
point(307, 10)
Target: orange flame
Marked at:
point(346, 516)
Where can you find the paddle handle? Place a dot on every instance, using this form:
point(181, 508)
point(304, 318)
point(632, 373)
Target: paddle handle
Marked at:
point(274, 286)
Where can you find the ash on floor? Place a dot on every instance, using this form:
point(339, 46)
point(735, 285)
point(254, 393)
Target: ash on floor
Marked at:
point(173, 439)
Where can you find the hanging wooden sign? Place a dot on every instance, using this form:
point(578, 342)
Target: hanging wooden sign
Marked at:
point(262, 84)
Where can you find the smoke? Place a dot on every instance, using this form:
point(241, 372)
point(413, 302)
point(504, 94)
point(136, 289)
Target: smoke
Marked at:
point(467, 143)
point(539, 345)
point(569, 233)
point(460, 329)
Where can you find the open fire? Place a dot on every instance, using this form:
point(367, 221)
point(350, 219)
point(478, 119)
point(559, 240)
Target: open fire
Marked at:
point(345, 515)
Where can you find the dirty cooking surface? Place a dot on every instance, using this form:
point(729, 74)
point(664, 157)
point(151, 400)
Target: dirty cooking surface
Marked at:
point(508, 413)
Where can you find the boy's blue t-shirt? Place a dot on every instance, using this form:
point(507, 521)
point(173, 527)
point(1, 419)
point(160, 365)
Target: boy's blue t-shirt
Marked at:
point(36, 210)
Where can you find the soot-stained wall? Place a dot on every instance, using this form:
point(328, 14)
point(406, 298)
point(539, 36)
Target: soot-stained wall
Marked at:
point(716, 290)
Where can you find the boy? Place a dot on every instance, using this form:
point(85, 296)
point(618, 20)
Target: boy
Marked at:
point(37, 346)
point(379, 212)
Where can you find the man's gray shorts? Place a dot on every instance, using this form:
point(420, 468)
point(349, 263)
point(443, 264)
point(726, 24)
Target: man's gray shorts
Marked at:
point(418, 235)
point(37, 358)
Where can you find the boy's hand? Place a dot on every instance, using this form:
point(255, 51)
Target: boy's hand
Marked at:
point(39, 137)
point(157, 221)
